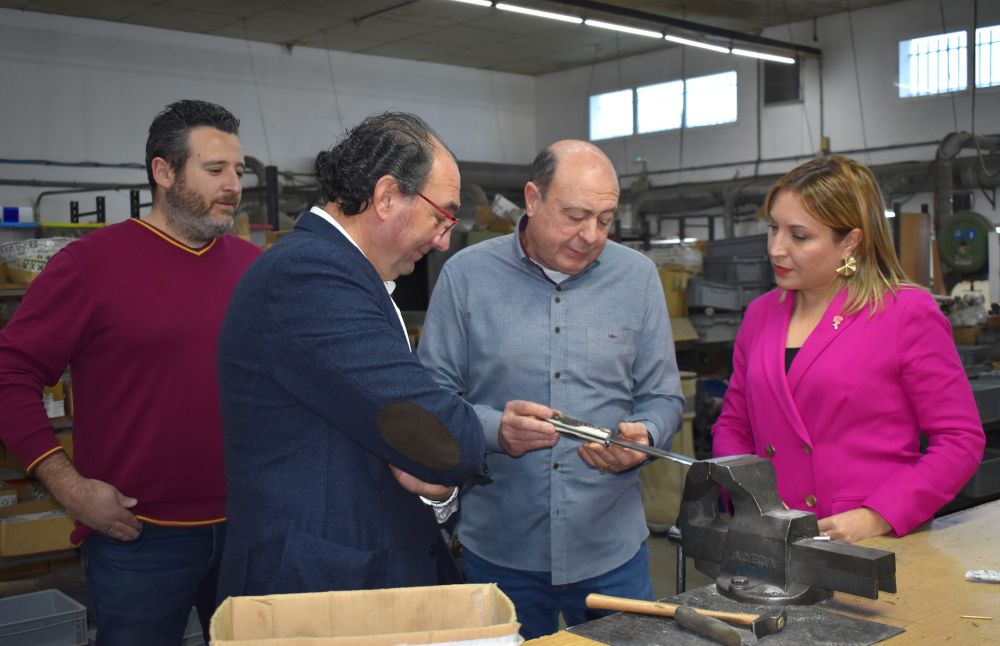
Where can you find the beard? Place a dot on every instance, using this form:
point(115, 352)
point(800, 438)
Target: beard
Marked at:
point(192, 216)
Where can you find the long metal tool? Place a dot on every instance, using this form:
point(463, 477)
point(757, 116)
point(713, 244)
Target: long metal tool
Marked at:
point(607, 436)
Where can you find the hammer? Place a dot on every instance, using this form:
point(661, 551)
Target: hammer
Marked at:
point(768, 623)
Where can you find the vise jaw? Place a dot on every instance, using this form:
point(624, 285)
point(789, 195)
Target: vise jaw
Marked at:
point(765, 553)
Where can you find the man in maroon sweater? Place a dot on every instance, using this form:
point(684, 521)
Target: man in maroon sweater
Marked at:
point(134, 310)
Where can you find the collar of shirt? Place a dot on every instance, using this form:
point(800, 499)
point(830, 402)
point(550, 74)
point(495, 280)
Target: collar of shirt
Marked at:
point(390, 285)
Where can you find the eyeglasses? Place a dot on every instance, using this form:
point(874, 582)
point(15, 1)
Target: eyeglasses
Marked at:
point(450, 220)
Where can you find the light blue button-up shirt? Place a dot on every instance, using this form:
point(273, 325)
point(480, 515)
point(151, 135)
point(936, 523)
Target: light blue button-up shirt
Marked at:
point(597, 347)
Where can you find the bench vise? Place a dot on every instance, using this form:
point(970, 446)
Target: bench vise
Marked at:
point(765, 553)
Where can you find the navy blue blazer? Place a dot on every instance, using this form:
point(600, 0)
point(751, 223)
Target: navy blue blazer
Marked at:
point(320, 393)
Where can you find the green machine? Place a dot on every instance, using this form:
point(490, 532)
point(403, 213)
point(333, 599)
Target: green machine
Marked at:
point(964, 243)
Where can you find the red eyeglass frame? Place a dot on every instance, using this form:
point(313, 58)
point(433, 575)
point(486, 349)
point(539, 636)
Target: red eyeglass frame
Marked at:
point(451, 218)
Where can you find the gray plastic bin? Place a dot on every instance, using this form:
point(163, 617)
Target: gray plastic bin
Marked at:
point(711, 328)
point(986, 480)
point(739, 270)
point(744, 246)
point(45, 618)
point(703, 293)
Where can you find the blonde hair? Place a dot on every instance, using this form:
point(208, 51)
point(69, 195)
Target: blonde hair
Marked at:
point(843, 194)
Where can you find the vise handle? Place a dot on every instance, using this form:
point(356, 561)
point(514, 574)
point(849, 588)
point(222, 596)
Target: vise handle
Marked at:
point(662, 608)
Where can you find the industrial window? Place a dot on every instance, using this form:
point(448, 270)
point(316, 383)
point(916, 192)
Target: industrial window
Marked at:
point(611, 115)
point(933, 64)
point(988, 56)
point(781, 83)
point(710, 100)
point(660, 106)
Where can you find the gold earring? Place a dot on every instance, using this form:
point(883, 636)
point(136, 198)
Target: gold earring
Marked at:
point(849, 268)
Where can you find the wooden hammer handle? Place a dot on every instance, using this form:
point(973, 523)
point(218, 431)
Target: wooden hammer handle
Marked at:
point(661, 608)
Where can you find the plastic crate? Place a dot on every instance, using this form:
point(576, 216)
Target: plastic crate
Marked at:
point(45, 618)
point(986, 480)
point(750, 291)
point(716, 327)
point(974, 355)
point(739, 270)
point(986, 391)
point(706, 293)
point(744, 246)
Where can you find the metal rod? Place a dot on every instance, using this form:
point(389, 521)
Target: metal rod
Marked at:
point(652, 451)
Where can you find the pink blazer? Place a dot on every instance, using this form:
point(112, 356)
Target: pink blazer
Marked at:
point(842, 427)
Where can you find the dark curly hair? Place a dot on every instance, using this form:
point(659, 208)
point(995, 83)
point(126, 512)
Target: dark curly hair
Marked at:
point(170, 131)
point(392, 143)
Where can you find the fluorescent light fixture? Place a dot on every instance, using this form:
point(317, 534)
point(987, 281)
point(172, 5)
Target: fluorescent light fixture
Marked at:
point(539, 14)
point(695, 43)
point(890, 214)
point(671, 241)
point(622, 28)
point(763, 56)
point(478, 3)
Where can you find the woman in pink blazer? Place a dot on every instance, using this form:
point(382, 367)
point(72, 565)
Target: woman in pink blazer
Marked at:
point(838, 372)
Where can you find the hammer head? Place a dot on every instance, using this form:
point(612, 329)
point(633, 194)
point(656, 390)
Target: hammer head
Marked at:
point(769, 623)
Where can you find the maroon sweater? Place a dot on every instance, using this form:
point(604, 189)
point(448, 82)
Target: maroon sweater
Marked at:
point(136, 315)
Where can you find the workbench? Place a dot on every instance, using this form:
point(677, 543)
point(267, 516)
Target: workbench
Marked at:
point(930, 576)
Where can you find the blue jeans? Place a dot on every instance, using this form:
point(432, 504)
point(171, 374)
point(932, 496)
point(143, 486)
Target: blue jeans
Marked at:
point(143, 590)
point(538, 602)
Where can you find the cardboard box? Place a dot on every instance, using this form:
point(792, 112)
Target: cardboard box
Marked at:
point(11, 462)
point(8, 495)
point(674, 279)
point(34, 527)
point(663, 481)
point(966, 335)
point(683, 330)
point(54, 399)
point(427, 615)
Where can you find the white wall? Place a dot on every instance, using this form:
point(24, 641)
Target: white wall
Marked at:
point(867, 70)
point(76, 89)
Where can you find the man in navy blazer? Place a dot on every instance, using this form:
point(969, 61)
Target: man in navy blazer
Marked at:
point(331, 426)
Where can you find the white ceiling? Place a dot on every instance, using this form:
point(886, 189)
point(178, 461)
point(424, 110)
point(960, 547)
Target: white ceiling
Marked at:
point(443, 31)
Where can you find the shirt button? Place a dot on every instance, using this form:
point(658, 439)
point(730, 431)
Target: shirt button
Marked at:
point(557, 375)
point(555, 466)
point(769, 450)
point(558, 288)
point(557, 299)
point(807, 449)
point(557, 329)
point(810, 500)
point(432, 550)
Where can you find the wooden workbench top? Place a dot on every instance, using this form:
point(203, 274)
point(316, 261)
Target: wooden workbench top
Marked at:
point(930, 578)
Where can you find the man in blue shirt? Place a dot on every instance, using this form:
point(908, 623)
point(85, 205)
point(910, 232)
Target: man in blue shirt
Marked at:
point(555, 318)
